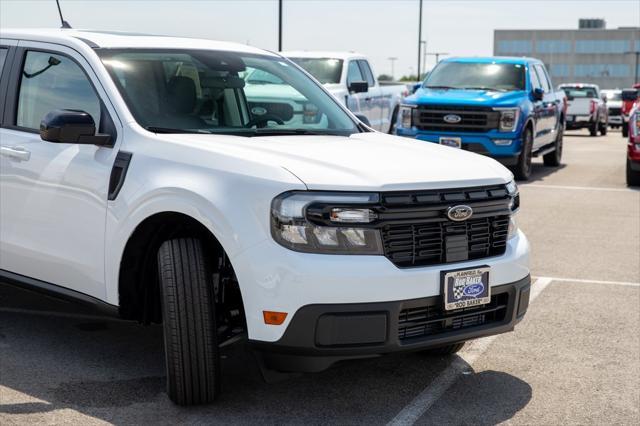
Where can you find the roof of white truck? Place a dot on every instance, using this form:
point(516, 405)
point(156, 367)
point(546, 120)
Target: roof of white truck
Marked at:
point(107, 39)
point(322, 54)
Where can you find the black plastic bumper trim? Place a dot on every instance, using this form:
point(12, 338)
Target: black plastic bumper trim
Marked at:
point(298, 349)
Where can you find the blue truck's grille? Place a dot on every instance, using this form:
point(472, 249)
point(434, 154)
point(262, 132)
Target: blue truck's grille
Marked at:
point(472, 119)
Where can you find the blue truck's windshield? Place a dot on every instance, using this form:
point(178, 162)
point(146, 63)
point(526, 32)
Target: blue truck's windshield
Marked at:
point(482, 76)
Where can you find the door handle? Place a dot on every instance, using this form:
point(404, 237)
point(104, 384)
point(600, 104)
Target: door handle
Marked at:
point(15, 152)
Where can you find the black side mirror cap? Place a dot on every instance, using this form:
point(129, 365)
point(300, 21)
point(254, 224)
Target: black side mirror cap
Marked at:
point(538, 94)
point(71, 126)
point(363, 119)
point(358, 87)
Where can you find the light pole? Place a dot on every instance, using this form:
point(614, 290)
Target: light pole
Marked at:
point(419, 37)
point(279, 25)
point(424, 56)
point(393, 74)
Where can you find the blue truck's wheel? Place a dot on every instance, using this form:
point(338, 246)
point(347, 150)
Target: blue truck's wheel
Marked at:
point(554, 158)
point(522, 170)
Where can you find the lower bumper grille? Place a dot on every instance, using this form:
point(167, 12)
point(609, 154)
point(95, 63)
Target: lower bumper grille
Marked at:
point(423, 321)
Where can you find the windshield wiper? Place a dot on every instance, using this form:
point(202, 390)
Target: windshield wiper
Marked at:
point(155, 129)
point(484, 88)
point(441, 87)
point(286, 132)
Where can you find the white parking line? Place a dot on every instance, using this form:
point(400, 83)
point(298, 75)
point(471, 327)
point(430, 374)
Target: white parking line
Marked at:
point(465, 359)
point(578, 188)
point(578, 280)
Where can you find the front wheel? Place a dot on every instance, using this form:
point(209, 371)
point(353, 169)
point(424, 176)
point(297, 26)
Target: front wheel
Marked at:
point(593, 128)
point(554, 158)
point(633, 176)
point(603, 129)
point(522, 170)
point(191, 349)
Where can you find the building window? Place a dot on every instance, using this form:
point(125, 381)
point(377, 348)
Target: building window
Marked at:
point(637, 49)
point(602, 70)
point(560, 70)
point(553, 46)
point(602, 46)
point(512, 47)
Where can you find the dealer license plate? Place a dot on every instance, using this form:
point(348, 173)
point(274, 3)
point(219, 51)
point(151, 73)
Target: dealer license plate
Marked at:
point(466, 288)
point(452, 142)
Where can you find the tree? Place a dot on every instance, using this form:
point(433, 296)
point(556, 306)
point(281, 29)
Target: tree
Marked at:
point(385, 77)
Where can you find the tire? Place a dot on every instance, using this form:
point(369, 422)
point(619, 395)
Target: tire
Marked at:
point(553, 159)
point(633, 176)
point(603, 129)
point(593, 128)
point(522, 170)
point(445, 350)
point(625, 131)
point(191, 349)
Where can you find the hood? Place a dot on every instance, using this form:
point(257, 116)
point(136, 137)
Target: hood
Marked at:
point(466, 97)
point(363, 161)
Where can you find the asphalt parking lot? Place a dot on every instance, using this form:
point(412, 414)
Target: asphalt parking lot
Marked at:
point(575, 359)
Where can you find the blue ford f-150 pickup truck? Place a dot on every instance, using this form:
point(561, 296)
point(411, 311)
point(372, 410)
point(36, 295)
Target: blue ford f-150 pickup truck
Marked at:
point(502, 107)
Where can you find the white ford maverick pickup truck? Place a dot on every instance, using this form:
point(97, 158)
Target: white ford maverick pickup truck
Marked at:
point(139, 177)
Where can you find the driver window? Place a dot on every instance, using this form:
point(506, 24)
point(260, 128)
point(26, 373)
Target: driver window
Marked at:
point(535, 82)
point(354, 73)
point(51, 81)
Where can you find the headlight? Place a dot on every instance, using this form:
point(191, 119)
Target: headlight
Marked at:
point(326, 222)
point(406, 116)
point(508, 119)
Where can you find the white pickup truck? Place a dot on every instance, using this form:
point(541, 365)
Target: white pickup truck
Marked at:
point(586, 107)
point(350, 78)
point(140, 175)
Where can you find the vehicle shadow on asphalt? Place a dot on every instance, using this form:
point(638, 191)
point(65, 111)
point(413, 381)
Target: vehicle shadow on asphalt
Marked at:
point(114, 371)
point(540, 171)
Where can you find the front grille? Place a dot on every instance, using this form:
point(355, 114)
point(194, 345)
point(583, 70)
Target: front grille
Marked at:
point(423, 321)
point(473, 119)
point(615, 111)
point(417, 231)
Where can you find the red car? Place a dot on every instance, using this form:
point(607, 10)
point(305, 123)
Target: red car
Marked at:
point(633, 148)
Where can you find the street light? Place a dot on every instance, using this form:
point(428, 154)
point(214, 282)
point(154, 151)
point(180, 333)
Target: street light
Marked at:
point(393, 74)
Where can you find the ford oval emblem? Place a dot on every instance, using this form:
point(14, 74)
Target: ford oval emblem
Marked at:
point(459, 213)
point(258, 110)
point(452, 118)
point(473, 289)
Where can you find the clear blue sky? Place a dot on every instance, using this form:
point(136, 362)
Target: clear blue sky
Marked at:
point(378, 28)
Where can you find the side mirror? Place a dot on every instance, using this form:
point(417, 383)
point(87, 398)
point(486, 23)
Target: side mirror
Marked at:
point(358, 87)
point(364, 119)
point(538, 94)
point(71, 126)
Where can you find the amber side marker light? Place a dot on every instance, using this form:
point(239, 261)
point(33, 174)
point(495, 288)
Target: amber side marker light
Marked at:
point(274, 318)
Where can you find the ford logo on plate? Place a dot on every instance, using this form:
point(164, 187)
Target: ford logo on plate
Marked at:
point(459, 213)
point(452, 118)
point(473, 289)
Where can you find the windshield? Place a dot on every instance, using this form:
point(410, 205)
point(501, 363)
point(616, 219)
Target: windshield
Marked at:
point(614, 96)
point(573, 92)
point(205, 91)
point(468, 75)
point(325, 70)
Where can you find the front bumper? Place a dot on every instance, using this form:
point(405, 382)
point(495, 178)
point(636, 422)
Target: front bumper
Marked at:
point(479, 143)
point(320, 335)
point(615, 119)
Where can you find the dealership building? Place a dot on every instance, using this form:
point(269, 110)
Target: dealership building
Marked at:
point(590, 54)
